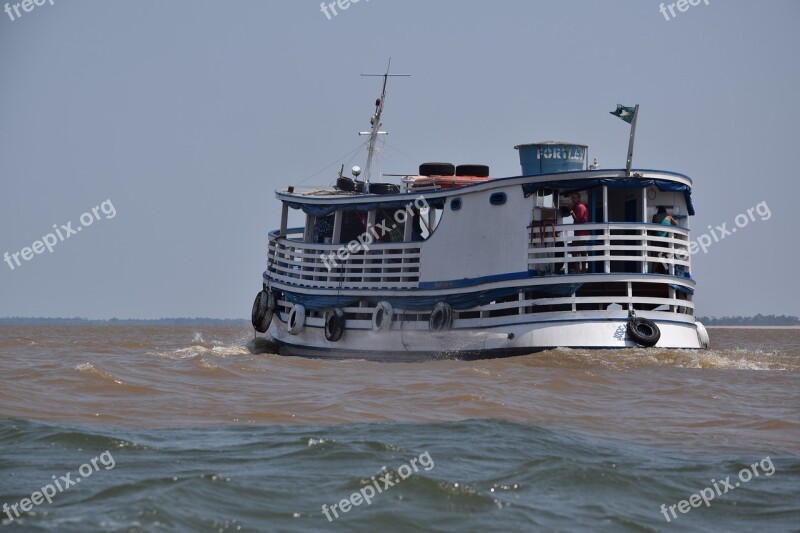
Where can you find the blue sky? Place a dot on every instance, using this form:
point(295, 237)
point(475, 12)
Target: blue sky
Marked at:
point(188, 115)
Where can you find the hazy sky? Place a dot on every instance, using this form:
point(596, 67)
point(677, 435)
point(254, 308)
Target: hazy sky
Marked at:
point(187, 115)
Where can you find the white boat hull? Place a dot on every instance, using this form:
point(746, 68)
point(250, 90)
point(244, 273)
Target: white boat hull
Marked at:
point(476, 343)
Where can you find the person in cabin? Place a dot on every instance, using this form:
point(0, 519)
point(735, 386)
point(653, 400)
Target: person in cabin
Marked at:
point(416, 226)
point(664, 218)
point(580, 215)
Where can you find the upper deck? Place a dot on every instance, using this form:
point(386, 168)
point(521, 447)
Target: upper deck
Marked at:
point(503, 229)
point(329, 199)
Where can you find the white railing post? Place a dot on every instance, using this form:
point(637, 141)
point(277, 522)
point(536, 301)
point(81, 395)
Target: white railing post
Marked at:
point(645, 252)
point(672, 237)
point(308, 231)
point(606, 251)
point(284, 219)
point(337, 227)
point(630, 296)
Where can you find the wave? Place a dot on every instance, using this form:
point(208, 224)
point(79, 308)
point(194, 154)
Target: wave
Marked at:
point(89, 368)
point(483, 475)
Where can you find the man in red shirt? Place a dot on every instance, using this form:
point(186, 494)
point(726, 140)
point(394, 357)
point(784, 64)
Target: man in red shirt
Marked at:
point(580, 215)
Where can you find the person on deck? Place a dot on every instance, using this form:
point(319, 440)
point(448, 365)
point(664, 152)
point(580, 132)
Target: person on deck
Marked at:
point(663, 218)
point(580, 215)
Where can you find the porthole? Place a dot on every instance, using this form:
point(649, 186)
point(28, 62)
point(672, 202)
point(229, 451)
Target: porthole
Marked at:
point(455, 204)
point(497, 198)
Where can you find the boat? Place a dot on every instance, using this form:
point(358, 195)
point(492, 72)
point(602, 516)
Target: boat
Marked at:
point(452, 263)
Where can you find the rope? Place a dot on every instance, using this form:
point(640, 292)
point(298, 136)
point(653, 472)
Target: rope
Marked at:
point(326, 167)
point(400, 152)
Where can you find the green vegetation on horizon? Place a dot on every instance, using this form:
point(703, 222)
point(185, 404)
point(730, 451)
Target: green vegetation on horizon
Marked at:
point(31, 321)
point(758, 320)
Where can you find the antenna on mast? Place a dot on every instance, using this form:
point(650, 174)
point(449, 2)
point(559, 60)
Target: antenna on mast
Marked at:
point(375, 120)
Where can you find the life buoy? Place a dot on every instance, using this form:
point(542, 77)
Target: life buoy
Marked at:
point(441, 317)
point(642, 331)
point(263, 310)
point(297, 319)
point(334, 325)
point(382, 317)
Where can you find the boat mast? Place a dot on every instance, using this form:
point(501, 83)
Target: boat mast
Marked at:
point(375, 120)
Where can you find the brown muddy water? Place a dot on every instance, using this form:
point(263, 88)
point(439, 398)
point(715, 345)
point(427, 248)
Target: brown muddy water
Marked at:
point(212, 431)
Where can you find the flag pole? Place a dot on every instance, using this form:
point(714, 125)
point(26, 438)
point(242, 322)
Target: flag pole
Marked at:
point(630, 143)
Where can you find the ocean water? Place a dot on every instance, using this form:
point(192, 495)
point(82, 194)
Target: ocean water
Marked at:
point(203, 429)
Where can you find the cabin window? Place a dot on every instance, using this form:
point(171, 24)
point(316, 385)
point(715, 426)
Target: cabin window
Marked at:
point(455, 204)
point(498, 198)
point(322, 232)
point(354, 224)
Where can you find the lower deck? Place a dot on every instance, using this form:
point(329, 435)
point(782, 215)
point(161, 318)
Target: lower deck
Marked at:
point(586, 298)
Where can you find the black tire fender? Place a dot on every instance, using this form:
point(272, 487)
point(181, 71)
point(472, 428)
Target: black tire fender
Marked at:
point(344, 183)
point(479, 171)
point(334, 325)
point(263, 311)
point(437, 169)
point(296, 320)
point(441, 317)
point(384, 188)
point(382, 317)
point(643, 331)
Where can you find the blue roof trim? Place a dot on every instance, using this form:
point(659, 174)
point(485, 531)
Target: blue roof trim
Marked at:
point(609, 170)
point(639, 277)
point(471, 282)
point(614, 183)
point(323, 210)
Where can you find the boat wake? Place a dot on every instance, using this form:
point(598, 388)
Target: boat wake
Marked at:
point(244, 345)
point(733, 359)
point(202, 348)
